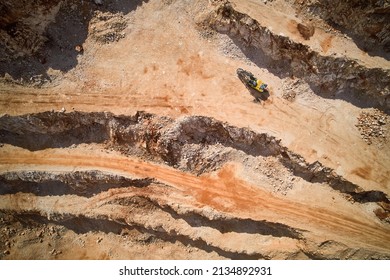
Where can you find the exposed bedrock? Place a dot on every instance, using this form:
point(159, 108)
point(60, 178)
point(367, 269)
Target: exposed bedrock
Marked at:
point(331, 76)
point(195, 144)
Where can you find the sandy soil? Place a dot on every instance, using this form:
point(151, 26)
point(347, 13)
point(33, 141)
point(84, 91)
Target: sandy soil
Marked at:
point(165, 66)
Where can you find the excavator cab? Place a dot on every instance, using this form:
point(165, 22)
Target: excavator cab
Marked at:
point(257, 85)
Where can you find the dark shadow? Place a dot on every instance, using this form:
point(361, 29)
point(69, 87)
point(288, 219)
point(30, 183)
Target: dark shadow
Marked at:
point(257, 56)
point(79, 225)
point(59, 130)
point(369, 196)
point(82, 225)
point(225, 225)
point(237, 225)
point(95, 133)
point(258, 96)
point(70, 29)
point(122, 6)
point(265, 95)
point(370, 45)
point(283, 68)
point(52, 130)
point(81, 183)
point(317, 173)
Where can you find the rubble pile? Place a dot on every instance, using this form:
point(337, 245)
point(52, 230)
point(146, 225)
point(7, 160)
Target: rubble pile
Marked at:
point(289, 95)
point(107, 27)
point(372, 125)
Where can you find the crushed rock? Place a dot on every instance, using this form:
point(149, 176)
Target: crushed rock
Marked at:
point(373, 126)
point(293, 87)
point(107, 28)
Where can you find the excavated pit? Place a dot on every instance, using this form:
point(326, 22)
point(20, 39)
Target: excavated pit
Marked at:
point(330, 76)
point(194, 144)
point(165, 141)
point(82, 183)
point(191, 186)
point(83, 225)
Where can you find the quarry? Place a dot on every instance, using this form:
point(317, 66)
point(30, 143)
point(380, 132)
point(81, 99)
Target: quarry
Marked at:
point(125, 132)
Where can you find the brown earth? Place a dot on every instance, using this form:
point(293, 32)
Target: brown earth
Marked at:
point(126, 133)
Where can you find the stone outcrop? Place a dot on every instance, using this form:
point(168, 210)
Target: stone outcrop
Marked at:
point(368, 21)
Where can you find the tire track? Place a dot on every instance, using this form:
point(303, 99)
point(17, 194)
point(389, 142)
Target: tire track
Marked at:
point(223, 192)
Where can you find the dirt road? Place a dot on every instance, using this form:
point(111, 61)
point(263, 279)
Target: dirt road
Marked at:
point(178, 59)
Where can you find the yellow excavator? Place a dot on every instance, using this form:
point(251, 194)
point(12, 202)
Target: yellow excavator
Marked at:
point(251, 82)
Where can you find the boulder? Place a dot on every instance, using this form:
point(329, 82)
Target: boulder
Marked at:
point(306, 30)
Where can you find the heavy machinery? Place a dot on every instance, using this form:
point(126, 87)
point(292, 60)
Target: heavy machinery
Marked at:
point(252, 83)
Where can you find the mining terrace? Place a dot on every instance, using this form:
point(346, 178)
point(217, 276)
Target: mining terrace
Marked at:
point(126, 134)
